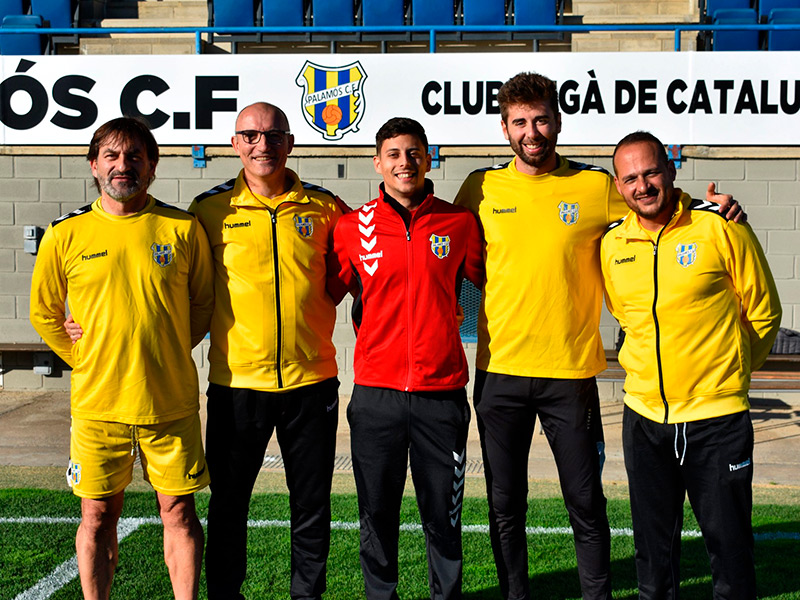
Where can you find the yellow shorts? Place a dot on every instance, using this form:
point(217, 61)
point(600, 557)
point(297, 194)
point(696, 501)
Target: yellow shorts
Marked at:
point(102, 456)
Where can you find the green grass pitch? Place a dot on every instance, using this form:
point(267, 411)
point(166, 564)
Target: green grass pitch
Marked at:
point(32, 551)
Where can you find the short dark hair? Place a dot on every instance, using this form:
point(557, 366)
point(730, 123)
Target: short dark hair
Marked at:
point(638, 137)
point(527, 88)
point(400, 126)
point(127, 128)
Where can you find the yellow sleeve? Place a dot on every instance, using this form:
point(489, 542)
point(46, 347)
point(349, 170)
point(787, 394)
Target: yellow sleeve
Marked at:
point(615, 202)
point(201, 284)
point(48, 297)
point(613, 303)
point(752, 279)
point(466, 195)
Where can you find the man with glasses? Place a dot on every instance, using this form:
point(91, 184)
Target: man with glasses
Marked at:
point(272, 361)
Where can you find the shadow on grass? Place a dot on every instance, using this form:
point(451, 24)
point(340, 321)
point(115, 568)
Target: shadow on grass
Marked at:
point(777, 573)
point(141, 561)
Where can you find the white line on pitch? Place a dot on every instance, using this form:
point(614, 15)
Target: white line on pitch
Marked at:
point(352, 525)
point(68, 570)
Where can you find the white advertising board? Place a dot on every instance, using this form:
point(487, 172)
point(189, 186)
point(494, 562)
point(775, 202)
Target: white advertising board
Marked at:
point(710, 98)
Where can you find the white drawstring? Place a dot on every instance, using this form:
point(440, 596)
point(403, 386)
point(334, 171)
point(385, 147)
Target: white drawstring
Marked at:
point(685, 443)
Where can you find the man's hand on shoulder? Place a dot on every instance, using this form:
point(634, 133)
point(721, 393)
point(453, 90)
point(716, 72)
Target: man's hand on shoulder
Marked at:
point(459, 315)
point(74, 331)
point(728, 206)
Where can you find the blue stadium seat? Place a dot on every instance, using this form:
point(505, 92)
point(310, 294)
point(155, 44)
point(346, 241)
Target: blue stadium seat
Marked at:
point(58, 13)
point(233, 13)
point(432, 12)
point(712, 6)
point(788, 39)
point(282, 13)
point(333, 13)
point(10, 7)
point(383, 12)
point(484, 12)
point(21, 43)
point(765, 7)
point(736, 39)
point(535, 12)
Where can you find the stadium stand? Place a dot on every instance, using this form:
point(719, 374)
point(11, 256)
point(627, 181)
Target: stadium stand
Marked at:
point(786, 39)
point(432, 12)
point(484, 12)
point(712, 6)
point(21, 43)
point(10, 7)
point(765, 7)
point(383, 12)
point(536, 12)
point(735, 39)
point(352, 14)
point(58, 13)
point(283, 13)
point(7, 8)
point(232, 13)
point(333, 13)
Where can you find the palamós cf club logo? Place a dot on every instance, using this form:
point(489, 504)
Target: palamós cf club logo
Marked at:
point(333, 99)
point(162, 254)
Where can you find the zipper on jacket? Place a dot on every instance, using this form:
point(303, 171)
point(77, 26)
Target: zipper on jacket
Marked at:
point(655, 320)
point(278, 327)
point(409, 285)
point(409, 303)
point(658, 331)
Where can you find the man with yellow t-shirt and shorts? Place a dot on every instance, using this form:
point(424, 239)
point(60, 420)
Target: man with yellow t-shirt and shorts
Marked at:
point(140, 279)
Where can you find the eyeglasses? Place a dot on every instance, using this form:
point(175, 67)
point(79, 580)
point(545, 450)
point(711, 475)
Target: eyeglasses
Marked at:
point(253, 136)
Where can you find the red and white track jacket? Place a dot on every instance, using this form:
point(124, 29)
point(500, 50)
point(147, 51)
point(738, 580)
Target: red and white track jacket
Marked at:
point(406, 283)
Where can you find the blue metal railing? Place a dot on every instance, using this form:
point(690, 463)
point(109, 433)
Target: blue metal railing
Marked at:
point(432, 31)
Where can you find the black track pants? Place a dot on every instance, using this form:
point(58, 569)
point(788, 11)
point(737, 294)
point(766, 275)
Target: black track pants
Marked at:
point(569, 409)
point(240, 424)
point(712, 460)
point(390, 429)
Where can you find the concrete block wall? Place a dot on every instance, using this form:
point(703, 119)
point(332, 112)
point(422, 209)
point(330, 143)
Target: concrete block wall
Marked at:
point(636, 11)
point(37, 189)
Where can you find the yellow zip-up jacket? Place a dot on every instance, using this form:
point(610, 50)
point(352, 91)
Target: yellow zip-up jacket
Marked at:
point(141, 286)
point(540, 312)
point(273, 320)
point(699, 308)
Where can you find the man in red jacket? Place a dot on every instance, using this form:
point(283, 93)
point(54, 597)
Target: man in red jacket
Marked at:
point(404, 256)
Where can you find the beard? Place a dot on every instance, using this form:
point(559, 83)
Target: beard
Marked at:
point(123, 192)
point(654, 209)
point(548, 150)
